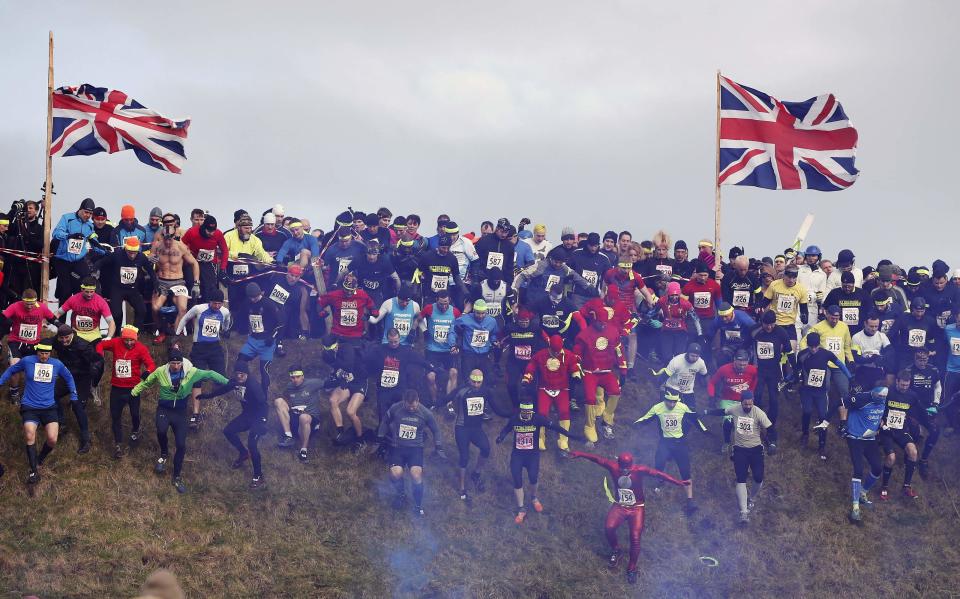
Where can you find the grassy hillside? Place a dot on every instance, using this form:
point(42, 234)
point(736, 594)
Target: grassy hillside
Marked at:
point(95, 527)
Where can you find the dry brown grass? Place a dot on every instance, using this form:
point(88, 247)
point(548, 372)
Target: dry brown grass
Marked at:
point(96, 528)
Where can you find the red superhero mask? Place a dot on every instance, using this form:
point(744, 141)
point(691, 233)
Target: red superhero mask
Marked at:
point(556, 344)
point(625, 460)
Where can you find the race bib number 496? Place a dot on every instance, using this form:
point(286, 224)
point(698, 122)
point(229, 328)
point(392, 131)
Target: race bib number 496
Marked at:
point(43, 373)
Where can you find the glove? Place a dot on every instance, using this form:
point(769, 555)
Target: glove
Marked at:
point(441, 453)
point(195, 292)
point(224, 278)
point(245, 256)
point(655, 324)
point(932, 410)
point(75, 236)
point(804, 318)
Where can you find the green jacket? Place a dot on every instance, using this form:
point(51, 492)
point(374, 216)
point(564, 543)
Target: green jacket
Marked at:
point(168, 396)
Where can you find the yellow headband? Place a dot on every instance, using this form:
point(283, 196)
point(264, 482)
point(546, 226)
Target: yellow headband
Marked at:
point(44, 347)
point(296, 373)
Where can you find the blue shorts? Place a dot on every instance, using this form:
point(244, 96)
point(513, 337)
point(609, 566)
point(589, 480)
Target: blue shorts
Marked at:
point(256, 348)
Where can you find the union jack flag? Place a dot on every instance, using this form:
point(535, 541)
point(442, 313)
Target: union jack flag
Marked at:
point(88, 120)
point(784, 145)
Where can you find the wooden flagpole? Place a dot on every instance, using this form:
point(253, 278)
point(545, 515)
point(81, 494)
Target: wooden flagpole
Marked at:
point(716, 182)
point(48, 186)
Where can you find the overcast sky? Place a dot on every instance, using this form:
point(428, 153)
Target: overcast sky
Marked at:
point(595, 114)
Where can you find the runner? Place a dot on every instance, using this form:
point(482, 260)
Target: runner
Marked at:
point(86, 366)
point(39, 407)
point(854, 303)
point(175, 380)
point(526, 426)
point(474, 335)
point(292, 295)
point(815, 363)
point(733, 327)
point(130, 359)
point(264, 325)
point(399, 313)
point(727, 386)
point(678, 320)
point(212, 321)
point(72, 236)
point(913, 330)
point(391, 364)
point(25, 319)
point(771, 348)
point(674, 419)
point(553, 367)
point(470, 403)
point(347, 384)
point(835, 338)
point(751, 433)
point(788, 300)
point(405, 423)
point(127, 272)
point(521, 340)
point(245, 252)
point(169, 255)
point(438, 270)
point(899, 428)
point(871, 351)
point(300, 402)
point(741, 288)
point(600, 351)
point(440, 347)
point(679, 376)
point(864, 413)
point(925, 382)
point(628, 506)
point(591, 264)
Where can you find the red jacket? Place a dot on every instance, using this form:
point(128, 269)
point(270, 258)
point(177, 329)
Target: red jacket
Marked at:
point(350, 312)
point(626, 284)
point(196, 242)
point(552, 373)
point(136, 358)
point(600, 350)
point(733, 383)
point(674, 316)
point(619, 313)
point(704, 296)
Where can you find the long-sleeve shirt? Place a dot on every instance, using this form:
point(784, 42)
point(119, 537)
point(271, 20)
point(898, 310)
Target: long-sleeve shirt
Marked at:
point(205, 249)
point(674, 423)
point(41, 377)
point(526, 433)
point(552, 372)
point(127, 363)
point(209, 325)
point(601, 350)
point(475, 336)
point(726, 383)
point(70, 225)
point(174, 389)
point(250, 395)
point(835, 339)
point(405, 428)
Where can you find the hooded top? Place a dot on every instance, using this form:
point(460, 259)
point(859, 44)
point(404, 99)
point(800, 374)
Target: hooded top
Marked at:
point(169, 397)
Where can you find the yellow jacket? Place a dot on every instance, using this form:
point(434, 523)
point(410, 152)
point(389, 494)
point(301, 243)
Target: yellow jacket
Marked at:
point(252, 246)
point(836, 339)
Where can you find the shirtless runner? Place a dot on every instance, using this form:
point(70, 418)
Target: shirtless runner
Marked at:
point(169, 257)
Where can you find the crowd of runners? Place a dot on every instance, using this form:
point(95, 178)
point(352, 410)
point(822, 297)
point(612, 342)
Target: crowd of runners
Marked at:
point(509, 324)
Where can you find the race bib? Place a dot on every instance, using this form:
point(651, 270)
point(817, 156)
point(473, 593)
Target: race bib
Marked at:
point(440, 333)
point(128, 275)
point(551, 281)
point(407, 431)
point(43, 373)
point(348, 317)
point(241, 270)
point(816, 377)
point(591, 277)
point(943, 319)
point(210, 327)
point(955, 346)
point(550, 321)
point(389, 378)
point(122, 369)
point(741, 298)
point(786, 303)
point(664, 268)
point(371, 284)
point(671, 423)
point(834, 345)
point(764, 350)
point(732, 334)
point(522, 352)
point(401, 322)
point(896, 419)
point(493, 309)
point(524, 440)
point(626, 497)
point(204, 255)
point(745, 425)
point(479, 338)
point(28, 332)
point(83, 323)
point(701, 299)
point(685, 382)
point(917, 338)
point(343, 264)
point(439, 283)
point(256, 323)
point(850, 316)
point(494, 260)
point(474, 406)
point(74, 246)
point(179, 291)
point(279, 295)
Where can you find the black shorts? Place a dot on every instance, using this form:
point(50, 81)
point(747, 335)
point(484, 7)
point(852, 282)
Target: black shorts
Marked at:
point(745, 458)
point(790, 330)
point(890, 439)
point(439, 360)
point(406, 457)
point(40, 416)
point(19, 349)
point(208, 356)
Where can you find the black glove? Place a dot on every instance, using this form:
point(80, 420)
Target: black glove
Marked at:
point(224, 278)
point(804, 318)
point(75, 236)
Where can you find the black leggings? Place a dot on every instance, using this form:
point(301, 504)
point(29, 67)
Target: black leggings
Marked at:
point(257, 425)
point(176, 418)
point(133, 297)
point(467, 435)
point(928, 422)
point(526, 458)
point(862, 450)
point(80, 412)
point(119, 399)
